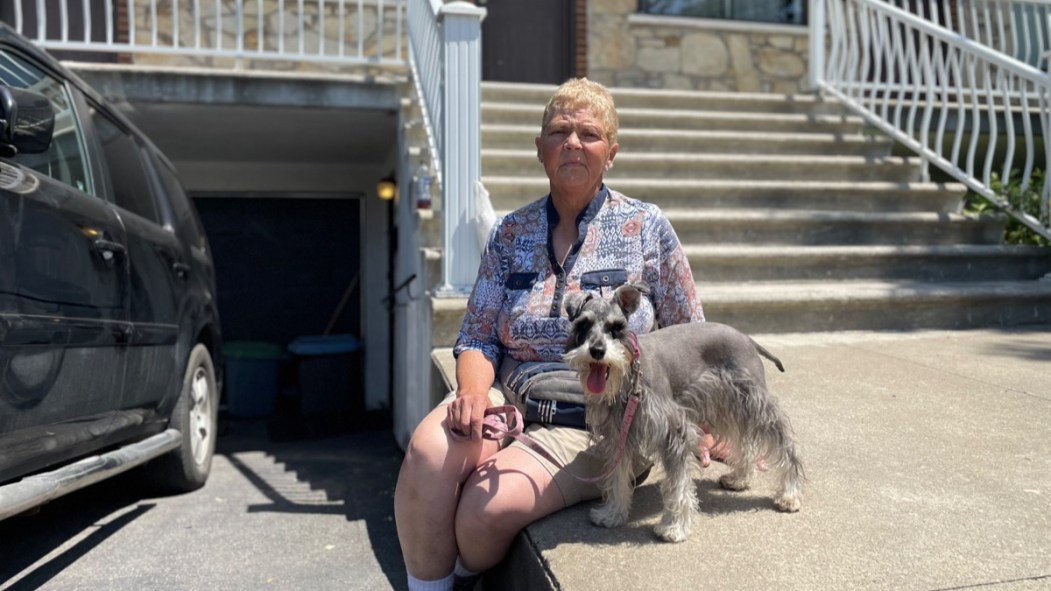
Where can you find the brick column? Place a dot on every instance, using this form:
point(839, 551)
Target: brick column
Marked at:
point(121, 30)
point(580, 38)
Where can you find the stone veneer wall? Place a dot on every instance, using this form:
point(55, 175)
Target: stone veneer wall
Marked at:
point(628, 49)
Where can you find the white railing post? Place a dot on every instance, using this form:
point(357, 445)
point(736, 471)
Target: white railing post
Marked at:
point(816, 18)
point(461, 26)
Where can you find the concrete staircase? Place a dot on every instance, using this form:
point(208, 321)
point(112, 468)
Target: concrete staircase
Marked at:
point(795, 216)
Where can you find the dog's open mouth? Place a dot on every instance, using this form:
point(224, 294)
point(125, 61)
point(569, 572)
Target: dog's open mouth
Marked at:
point(597, 377)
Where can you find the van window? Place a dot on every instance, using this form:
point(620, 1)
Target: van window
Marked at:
point(131, 186)
point(64, 159)
point(182, 212)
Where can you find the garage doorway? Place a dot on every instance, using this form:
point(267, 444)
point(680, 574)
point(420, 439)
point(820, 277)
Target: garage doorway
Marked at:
point(287, 266)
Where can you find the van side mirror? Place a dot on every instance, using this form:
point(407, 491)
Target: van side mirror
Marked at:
point(27, 121)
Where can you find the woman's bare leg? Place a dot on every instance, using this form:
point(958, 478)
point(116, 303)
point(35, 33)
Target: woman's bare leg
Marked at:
point(510, 490)
point(712, 448)
point(428, 492)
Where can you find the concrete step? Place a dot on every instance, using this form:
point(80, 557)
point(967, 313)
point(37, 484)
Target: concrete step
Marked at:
point(511, 192)
point(538, 94)
point(810, 306)
point(724, 166)
point(446, 318)
point(743, 263)
point(529, 114)
point(499, 136)
point(795, 227)
point(875, 305)
point(952, 262)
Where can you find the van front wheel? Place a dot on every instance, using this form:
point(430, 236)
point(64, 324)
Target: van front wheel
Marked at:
point(196, 417)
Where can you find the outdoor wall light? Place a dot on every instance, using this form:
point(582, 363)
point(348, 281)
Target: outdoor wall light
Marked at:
point(387, 187)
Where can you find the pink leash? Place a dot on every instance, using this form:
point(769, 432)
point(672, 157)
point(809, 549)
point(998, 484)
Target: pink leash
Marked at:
point(496, 426)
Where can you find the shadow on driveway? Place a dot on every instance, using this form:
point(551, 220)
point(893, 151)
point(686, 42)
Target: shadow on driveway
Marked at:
point(351, 474)
point(346, 478)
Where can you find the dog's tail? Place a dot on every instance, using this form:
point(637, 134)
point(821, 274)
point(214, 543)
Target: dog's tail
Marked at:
point(762, 351)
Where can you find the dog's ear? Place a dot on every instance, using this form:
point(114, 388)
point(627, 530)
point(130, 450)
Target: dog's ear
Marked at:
point(627, 296)
point(574, 303)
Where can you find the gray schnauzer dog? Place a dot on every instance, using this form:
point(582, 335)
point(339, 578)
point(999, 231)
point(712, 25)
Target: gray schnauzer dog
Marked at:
point(684, 376)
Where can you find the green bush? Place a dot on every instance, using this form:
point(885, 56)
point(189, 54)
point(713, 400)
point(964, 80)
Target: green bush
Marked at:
point(1027, 201)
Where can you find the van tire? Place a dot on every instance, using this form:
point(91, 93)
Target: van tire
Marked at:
point(195, 416)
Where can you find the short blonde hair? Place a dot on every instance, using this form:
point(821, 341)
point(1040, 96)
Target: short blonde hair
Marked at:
point(581, 93)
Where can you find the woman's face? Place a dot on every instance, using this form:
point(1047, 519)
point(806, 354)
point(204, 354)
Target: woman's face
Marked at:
point(574, 151)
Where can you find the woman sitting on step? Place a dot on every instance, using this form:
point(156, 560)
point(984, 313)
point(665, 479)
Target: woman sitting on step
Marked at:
point(461, 499)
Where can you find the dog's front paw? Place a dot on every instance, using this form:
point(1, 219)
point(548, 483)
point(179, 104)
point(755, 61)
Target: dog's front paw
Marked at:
point(731, 482)
point(674, 531)
point(788, 503)
point(608, 516)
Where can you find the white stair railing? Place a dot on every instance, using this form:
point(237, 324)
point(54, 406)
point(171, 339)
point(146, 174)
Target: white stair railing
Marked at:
point(445, 57)
point(317, 31)
point(957, 82)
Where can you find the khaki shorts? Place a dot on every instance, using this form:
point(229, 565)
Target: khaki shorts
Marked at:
point(569, 446)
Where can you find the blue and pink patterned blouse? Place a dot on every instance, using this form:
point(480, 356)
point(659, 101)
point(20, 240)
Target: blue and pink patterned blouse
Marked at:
point(516, 305)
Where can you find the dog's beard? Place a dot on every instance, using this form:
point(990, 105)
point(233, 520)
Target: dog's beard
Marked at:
point(603, 379)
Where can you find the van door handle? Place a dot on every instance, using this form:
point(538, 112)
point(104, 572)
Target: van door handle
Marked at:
point(111, 252)
point(182, 270)
point(122, 334)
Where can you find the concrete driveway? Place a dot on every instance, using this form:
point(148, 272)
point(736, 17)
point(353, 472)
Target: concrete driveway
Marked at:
point(310, 514)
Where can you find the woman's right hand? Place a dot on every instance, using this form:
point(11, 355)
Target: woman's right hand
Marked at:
point(466, 414)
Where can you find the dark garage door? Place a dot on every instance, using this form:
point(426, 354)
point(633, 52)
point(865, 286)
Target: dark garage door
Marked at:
point(283, 264)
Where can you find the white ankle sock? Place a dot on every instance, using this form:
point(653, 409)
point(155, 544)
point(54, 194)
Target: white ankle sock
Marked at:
point(444, 584)
point(461, 571)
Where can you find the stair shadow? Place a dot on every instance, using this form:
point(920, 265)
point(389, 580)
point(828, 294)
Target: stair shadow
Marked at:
point(1030, 351)
point(351, 474)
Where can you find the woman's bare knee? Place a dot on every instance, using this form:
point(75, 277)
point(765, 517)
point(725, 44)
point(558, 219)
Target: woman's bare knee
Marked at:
point(427, 495)
point(506, 493)
point(486, 512)
point(486, 524)
point(432, 452)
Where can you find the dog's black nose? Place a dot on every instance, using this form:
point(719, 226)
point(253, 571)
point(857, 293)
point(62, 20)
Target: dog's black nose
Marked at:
point(597, 351)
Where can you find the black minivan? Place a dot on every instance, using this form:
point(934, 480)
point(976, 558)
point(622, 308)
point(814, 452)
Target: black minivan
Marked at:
point(109, 331)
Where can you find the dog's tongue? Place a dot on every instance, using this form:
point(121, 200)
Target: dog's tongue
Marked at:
point(597, 378)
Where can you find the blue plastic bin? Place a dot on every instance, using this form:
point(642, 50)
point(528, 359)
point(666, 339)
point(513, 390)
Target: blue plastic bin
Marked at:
point(328, 371)
point(251, 376)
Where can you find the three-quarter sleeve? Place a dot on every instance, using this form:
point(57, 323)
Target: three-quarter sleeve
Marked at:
point(479, 328)
point(672, 287)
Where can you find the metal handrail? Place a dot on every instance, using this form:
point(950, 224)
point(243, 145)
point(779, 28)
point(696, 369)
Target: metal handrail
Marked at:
point(425, 57)
point(364, 32)
point(922, 79)
point(445, 56)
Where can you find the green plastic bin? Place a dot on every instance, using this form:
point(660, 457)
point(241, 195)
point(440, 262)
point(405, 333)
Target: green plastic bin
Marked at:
point(251, 375)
